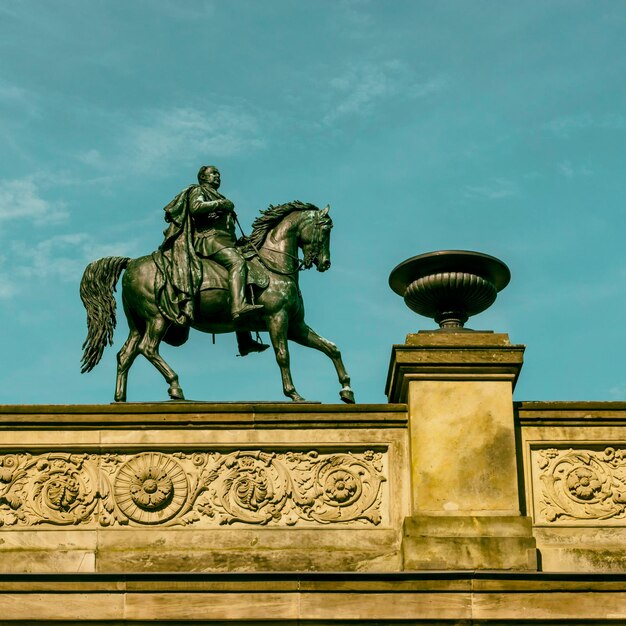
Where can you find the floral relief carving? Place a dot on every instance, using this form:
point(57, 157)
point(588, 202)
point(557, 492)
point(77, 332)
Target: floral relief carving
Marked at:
point(578, 485)
point(203, 488)
point(54, 488)
point(150, 488)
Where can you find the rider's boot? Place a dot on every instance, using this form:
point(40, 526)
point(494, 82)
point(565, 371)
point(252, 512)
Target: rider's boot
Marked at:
point(239, 307)
point(246, 309)
point(246, 344)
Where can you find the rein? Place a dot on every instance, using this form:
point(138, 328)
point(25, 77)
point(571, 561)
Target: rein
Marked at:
point(300, 263)
point(263, 262)
point(298, 260)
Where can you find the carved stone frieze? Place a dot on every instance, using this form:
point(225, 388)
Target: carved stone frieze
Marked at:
point(200, 488)
point(578, 485)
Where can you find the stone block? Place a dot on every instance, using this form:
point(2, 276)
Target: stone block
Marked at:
point(468, 542)
point(274, 608)
point(248, 550)
point(462, 356)
point(68, 550)
point(463, 448)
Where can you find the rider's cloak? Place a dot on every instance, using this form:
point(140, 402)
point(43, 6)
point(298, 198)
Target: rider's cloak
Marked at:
point(180, 271)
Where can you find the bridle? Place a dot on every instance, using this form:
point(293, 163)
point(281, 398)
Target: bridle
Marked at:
point(322, 223)
point(321, 220)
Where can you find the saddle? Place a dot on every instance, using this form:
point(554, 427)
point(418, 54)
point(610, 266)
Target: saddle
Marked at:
point(215, 276)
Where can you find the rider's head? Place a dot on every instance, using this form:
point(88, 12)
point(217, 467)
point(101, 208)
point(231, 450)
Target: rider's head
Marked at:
point(209, 174)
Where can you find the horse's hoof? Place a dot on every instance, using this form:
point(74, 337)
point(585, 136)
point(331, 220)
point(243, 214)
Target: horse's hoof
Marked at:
point(119, 397)
point(347, 395)
point(297, 398)
point(176, 393)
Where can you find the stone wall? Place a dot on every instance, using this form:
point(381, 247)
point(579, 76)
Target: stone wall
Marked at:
point(129, 514)
point(202, 487)
point(574, 476)
point(279, 487)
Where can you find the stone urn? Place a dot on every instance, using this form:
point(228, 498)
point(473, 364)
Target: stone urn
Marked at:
point(450, 285)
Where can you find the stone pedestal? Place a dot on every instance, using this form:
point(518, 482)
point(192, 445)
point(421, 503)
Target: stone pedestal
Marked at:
point(464, 469)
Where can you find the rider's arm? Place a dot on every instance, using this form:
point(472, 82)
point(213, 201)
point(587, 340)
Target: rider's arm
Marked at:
point(198, 203)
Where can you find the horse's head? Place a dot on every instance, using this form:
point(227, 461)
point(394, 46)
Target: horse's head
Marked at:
point(314, 239)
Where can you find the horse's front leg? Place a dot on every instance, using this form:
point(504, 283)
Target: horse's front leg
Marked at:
point(302, 334)
point(277, 327)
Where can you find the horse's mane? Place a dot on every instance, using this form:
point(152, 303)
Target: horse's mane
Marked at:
point(272, 216)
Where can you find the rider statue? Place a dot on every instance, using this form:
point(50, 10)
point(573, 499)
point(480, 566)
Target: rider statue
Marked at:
point(202, 225)
point(213, 216)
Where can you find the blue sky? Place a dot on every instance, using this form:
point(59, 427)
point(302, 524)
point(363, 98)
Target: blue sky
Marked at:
point(496, 126)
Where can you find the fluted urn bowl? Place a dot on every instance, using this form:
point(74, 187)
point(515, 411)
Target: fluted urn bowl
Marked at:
point(450, 285)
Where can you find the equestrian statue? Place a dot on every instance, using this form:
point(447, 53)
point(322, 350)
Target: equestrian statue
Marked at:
point(203, 277)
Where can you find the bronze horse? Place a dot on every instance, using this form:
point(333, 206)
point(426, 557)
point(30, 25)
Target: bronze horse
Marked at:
point(277, 235)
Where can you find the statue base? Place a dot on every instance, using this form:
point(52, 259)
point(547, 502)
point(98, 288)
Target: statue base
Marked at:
point(292, 513)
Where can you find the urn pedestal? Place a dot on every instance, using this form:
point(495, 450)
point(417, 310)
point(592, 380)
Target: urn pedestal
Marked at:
point(458, 385)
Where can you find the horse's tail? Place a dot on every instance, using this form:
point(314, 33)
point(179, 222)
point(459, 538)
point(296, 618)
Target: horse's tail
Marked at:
point(96, 292)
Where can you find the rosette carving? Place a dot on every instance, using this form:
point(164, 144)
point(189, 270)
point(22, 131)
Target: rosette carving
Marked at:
point(151, 488)
point(347, 489)
point(581, 484)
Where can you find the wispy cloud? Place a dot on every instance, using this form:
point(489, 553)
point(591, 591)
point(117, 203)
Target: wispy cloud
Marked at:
point(59, 258)
point(19, 99)
point(185, 134)
point(7, 289)
point(20, 199)
point(493, 189)
point(571, 170)
point(618, 392)
point(91, 157)
point(7, 286)
point(362, 87)
point(63, 257)
point(566, 126)
point(352, 18)
point(580, 292)
point(101, 172)
point(12, 93)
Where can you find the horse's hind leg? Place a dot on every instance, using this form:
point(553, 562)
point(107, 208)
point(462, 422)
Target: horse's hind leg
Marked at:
point(302, 334)
point(149, 347)
point(125, 358)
